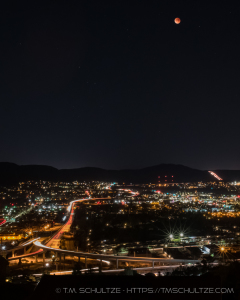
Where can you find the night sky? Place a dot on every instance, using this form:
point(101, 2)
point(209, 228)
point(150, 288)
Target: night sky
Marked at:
point(119, 85)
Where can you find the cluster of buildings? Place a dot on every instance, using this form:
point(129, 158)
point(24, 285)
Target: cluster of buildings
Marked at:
point(52, 191)
point(34, 208)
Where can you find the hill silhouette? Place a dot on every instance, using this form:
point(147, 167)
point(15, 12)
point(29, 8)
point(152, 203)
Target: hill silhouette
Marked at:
point(11, 173)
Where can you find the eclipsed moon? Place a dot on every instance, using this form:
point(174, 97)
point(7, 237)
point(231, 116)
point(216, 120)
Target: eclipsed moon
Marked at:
point(177, 20)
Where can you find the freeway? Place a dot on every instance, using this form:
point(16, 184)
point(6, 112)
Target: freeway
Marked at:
point(115, 271)
point(54, 243)
point(112, 257)
point(26, 255)
point(54, 240)
point(3, 222)
point(23, 245)
point(15, 217)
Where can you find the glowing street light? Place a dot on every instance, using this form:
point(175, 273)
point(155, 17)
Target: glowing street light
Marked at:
point(181, 234)
point(171, 236)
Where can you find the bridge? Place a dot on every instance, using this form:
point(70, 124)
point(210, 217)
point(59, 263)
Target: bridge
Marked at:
point(52, 244)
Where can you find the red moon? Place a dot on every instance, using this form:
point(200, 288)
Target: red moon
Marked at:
point(177, 20)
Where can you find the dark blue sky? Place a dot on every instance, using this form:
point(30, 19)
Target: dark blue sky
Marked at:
point(117, 84)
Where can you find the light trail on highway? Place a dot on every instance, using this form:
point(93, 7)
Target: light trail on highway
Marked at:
point(96, 270)
point(65, 228)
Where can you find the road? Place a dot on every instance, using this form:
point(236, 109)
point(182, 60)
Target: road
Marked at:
point(23, 245)
point(116, 271)
point(54, 243)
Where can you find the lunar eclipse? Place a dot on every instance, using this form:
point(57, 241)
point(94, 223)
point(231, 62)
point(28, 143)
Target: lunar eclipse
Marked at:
point(177, 20)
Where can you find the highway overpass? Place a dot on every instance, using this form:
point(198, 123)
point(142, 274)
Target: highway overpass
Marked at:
point(54, 240)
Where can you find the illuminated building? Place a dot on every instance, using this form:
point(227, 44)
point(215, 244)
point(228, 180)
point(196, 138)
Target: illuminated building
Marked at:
point(6, 237)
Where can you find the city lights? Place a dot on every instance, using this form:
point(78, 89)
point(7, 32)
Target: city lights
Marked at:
point(148, 206)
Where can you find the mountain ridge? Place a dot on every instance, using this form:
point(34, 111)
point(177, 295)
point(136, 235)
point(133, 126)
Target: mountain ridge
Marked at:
point(11, 173)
